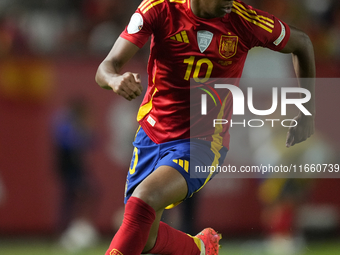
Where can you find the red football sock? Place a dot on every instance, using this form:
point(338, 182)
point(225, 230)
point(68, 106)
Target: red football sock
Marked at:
point(174, 242)
point(132, 235)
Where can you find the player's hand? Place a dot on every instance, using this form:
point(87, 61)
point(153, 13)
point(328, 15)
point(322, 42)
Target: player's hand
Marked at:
point(303, 130)
point(127, 85)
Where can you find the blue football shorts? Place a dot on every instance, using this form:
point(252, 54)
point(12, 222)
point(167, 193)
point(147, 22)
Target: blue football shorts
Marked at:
point(148, 156)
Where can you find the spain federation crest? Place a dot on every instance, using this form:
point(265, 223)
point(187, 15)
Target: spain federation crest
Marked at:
point(228, 46)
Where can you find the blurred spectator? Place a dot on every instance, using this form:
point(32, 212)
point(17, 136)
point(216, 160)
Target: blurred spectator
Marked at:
point(73, 139)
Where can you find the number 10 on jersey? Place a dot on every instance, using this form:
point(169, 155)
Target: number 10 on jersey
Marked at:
point(191, 63)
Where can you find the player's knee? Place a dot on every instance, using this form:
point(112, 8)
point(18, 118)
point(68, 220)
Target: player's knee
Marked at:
point(151, 198)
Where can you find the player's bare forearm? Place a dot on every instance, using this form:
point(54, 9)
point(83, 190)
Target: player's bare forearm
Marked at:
point(127, 85)
point(302, 51)
point(106, 71)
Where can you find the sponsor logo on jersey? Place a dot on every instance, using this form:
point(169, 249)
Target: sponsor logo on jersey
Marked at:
point(181, 37)
point(228, 46)
point(135, 24)
point(204, 39)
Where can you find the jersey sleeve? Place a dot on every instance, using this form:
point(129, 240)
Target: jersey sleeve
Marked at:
point(263, 29)
point(145, 22)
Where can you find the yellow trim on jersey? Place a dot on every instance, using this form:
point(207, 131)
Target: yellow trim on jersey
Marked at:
point(253, 12)
point(178, 1)
point(145, 3)
point(251, 16)
point(216, 144)
point(255, 17)
point(154, 77)
point(146, 108)
point(252, 21)
point(244, 8)
point(142, 3)
point(266, 18)
point(149, 4)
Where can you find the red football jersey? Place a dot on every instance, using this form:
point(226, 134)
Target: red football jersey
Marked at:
point(184, 46)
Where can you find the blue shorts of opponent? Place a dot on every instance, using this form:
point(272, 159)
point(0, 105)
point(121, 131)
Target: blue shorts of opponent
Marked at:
point(148, 156)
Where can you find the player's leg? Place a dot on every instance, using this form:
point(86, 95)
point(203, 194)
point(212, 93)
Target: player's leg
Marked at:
point(165, 186)
point(161, 188)
point(141, 230)
point(153, 232)
point(132, 235)
point(170, 240)
point(143, 211)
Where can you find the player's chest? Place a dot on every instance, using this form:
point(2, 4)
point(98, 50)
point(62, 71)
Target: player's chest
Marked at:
point(214, 41)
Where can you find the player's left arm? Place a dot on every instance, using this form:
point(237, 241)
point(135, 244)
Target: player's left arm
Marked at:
point(301, 47)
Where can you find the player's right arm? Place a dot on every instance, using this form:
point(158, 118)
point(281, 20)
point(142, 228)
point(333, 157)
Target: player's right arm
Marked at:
point(147, 20)
point(127, 85)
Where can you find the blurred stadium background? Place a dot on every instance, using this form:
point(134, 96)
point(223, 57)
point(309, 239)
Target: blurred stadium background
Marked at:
point(49, 53)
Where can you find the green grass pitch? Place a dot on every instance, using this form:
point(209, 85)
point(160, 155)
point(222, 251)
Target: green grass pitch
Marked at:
point(48, 247)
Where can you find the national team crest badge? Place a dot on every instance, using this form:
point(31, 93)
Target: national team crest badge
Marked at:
point(115, 252)
point(204, 39)
point(228, 46)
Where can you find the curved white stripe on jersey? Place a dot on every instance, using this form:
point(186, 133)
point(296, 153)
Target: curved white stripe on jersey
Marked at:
point(282, 35)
